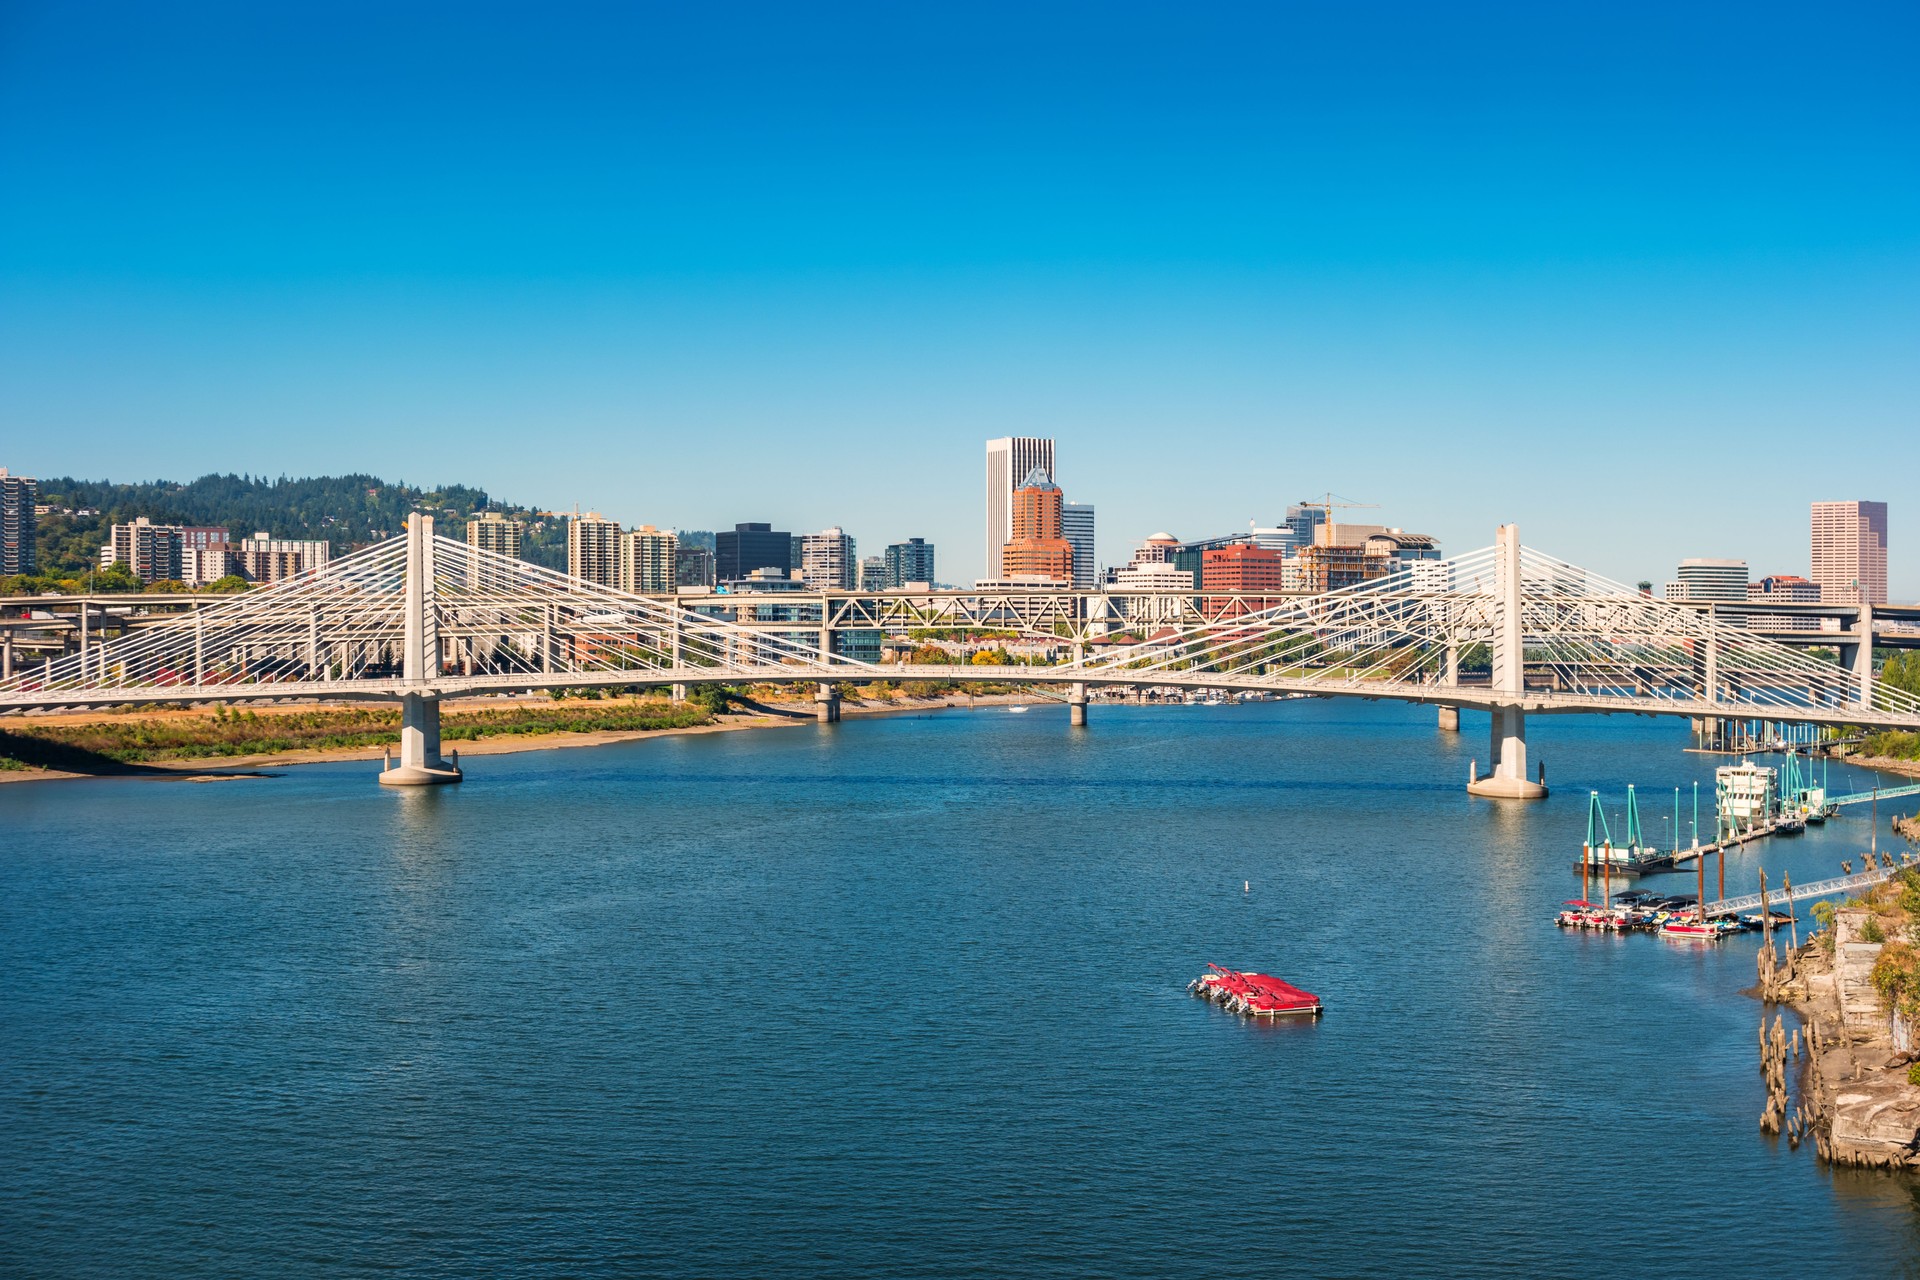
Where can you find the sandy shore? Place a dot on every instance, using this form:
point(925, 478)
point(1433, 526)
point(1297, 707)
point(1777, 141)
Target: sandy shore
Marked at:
point(1888, 764)
point(772, 715)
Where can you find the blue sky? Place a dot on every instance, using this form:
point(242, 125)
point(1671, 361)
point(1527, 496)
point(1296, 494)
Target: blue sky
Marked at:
point(1645, 278)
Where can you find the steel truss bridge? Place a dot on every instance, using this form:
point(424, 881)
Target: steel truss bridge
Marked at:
point(420, 617)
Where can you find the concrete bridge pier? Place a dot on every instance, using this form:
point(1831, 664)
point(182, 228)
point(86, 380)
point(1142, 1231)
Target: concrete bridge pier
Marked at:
point(1507, 779)
point(421, 764)
point(1449, 719)
point(679, 693)
point(1077, 706)
point(826, 704)
point(1857, 658)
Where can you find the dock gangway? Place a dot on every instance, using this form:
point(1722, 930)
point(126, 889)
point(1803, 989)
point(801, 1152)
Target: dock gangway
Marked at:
point(1805, 892)
point(1884, 793)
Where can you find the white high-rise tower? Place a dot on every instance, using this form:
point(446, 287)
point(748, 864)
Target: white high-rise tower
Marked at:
point(1010, 460)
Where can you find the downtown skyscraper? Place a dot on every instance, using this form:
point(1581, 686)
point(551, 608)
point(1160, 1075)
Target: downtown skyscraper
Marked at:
point(1010, 460)
point(1850, 552)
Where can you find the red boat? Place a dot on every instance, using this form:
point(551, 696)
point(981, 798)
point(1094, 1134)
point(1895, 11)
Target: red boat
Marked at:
point(1255, 995)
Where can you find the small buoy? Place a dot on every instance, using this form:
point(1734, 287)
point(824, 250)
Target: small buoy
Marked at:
point(1246, 886)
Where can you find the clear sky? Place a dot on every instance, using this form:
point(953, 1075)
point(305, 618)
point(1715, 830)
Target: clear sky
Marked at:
point(1645, 278)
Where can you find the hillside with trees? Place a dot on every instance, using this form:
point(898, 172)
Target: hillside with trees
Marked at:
point(345, 511)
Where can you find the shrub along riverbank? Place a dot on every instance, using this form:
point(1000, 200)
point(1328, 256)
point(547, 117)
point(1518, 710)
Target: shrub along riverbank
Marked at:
point(135, 739)
point(1894, 745)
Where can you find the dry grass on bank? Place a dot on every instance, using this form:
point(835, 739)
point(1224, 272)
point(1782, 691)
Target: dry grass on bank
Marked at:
point(135, 739)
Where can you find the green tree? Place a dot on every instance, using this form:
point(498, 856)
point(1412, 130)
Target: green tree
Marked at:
point(117, 578)
point(1902, 672)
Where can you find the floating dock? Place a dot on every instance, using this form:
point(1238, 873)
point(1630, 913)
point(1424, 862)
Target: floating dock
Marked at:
point(1254, 995)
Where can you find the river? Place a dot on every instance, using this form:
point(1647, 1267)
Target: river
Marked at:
point(896, 997)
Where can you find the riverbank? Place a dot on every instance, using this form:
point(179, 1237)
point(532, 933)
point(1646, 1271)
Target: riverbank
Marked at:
point(1886, 764)
point(158, 744)
point(1859, 1079)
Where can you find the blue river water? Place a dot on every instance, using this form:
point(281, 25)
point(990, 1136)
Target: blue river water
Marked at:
point(897, 997)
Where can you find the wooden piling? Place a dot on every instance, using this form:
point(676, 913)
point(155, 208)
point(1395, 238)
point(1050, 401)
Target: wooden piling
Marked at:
point(1793, 922)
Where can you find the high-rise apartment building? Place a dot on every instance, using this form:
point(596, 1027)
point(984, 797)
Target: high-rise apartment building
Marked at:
point(593, 549)
point(1701, 579)
point(205, 538)
point(740, 550)
point(495, 532)
point(1076, 526)
point(18, 496)
point(204, 554)
point(1036, 548)
point(647, 564)
point(499, 535)
point(265, 558)
point(873, 574)
point(1010, 460)
point(827, 560)
point(151, 551)
point(909, 561)
point(1850, 552)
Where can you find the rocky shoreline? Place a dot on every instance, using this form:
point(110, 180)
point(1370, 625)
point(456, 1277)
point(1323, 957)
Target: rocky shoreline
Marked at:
point(1858, 1102)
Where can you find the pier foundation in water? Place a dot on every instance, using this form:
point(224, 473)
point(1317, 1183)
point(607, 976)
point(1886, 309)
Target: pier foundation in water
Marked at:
point(1507, 779)
point(421, 764)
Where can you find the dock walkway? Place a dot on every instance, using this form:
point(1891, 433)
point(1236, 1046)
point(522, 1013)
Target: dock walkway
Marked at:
point(1882, 793)
point(1803, 892)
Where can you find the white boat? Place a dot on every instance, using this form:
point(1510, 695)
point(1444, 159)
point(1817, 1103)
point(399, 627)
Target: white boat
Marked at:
point(1018, 709)
point(1744, 797)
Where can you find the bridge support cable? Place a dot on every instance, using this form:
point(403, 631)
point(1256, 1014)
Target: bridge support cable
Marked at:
point(1558, 638)
point(1597, 644)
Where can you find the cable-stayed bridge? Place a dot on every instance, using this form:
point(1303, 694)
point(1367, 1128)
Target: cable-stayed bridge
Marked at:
point(419, 618)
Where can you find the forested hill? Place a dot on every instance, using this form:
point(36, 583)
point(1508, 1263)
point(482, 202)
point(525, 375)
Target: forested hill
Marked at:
point(347, 511)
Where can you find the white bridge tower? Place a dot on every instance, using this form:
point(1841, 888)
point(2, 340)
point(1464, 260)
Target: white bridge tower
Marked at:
point(420, 761)
point(1507, 778)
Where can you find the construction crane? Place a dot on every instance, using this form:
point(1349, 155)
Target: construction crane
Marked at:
point(1328, 507)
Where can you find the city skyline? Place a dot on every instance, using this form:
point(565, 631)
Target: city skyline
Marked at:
point(1040, 452)
point(527, 746)
point(1322, 265)
point(1888, 557)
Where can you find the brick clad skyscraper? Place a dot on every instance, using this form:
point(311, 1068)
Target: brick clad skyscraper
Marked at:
point(1038, 548)
point(1850, 552)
